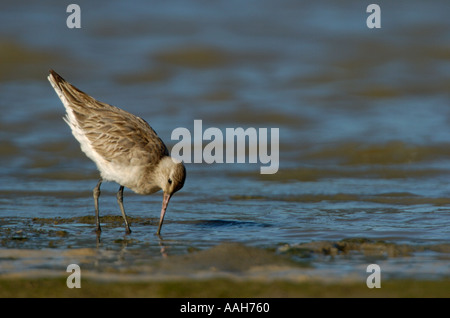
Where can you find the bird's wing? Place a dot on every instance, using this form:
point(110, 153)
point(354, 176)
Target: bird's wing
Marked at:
point(116, 135)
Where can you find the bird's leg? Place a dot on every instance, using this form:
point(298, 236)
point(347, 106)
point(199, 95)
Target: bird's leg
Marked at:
point(120, 201)
point(96, 195)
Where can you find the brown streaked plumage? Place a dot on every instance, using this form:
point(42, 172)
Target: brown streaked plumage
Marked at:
point(124, 147)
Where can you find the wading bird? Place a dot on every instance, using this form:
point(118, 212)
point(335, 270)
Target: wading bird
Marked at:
point(124, 147)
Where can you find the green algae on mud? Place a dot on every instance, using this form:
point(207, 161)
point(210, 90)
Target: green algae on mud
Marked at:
point(312, 174)
point(19, 62)
point(393, 198)
point(90, 219)
point(193, 57)
point(106, 220)
point(394, 160)
point(394, 152)
point(364, 246)
point(220, 288)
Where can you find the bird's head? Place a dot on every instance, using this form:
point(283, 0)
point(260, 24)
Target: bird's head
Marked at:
point(171, 174)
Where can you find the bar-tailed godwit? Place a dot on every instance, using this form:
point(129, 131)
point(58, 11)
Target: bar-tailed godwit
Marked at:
point(124, 147)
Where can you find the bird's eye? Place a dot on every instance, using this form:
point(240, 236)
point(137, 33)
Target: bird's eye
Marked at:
point(170, 181)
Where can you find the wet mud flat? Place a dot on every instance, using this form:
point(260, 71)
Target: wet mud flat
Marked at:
point(363, 148)
point(35, 253)
point(219, 288)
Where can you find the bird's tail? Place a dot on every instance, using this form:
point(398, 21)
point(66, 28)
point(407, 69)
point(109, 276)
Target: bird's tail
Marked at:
point(70, 95)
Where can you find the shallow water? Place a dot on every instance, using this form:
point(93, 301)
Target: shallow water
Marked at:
point(363, 118)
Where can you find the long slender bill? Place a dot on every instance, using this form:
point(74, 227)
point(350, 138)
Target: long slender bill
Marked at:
point(165, 203)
